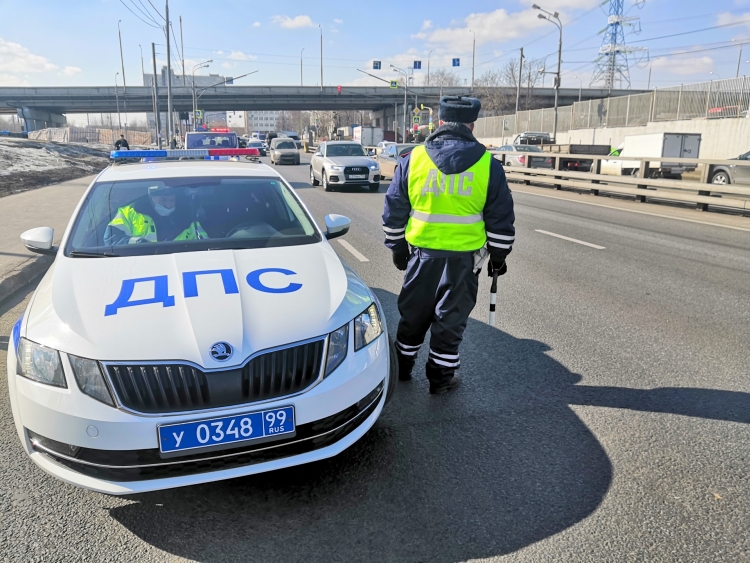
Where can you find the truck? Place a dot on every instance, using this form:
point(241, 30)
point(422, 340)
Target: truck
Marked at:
point(656, 146)
point(577, 164)
point(367, 136)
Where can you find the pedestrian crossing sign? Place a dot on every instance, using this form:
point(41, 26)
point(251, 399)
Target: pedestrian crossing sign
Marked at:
point(415, 120)
point(394, 83)
point(199, 114)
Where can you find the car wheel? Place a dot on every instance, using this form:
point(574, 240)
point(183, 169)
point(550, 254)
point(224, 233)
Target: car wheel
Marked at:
point(326, 186)
point(721, 178)
point(313, 180)
point(392, 371)
point(375, 187)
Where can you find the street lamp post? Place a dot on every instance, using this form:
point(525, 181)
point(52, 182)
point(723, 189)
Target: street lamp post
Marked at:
point(195, 101)
point(473, 55)
point(554, 18)
point(117, 98)
point(321, 57)
point(428, 66)
point(406, 90)
point(716, 75)
point(580, 87)
point(300, 67)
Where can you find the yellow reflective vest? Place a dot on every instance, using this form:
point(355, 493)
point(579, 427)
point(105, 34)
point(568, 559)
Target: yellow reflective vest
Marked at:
point(141, 226)
point(447, 208)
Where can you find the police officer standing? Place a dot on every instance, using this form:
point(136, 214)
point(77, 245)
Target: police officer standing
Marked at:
point(447, 200)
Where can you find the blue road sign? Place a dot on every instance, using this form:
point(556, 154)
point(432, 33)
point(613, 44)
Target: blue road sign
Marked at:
point(456, 62)
point(375, 65)
point(417, 65)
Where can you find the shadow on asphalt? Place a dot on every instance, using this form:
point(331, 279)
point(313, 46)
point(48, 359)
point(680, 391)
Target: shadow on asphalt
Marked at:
point(502, 463)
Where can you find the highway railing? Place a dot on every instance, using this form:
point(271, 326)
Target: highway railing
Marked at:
point(641, 186)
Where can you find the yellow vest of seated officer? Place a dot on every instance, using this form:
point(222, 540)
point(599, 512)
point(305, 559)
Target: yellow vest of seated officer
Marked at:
point(447, 208)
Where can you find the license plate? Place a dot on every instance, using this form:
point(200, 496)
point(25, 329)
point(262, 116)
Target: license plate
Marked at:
point(357, 176)
point(218, 433)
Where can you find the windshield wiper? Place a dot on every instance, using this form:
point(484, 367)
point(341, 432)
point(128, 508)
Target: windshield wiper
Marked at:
point(78, 254)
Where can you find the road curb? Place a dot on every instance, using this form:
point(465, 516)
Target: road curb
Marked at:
point(23, 274)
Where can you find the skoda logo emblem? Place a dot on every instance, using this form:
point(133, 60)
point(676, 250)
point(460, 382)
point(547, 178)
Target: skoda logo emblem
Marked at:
point(221, 351)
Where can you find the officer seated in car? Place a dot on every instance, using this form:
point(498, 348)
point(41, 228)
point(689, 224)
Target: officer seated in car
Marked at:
point(156, 217)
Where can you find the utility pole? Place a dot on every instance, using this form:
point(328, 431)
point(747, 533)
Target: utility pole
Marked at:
point(170, 117)
point(520, 78)
point(182, 52)
point(321, 57)
point(122, 60)
point(157, 117)
point(301, 83)
point(428, 66)
point(473, 56)
point(117, 97)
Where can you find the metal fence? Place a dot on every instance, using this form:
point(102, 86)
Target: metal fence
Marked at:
point(705, 100)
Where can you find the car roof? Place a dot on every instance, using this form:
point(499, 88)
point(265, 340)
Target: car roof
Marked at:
point(342, 143)
point(185, 169)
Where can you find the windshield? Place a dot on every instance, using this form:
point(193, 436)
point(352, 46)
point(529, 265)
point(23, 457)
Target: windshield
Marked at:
point(528, 148)
point(163, 216)
point(255, 144)
point(206, 140)
point(286, 145)
point(352, 149)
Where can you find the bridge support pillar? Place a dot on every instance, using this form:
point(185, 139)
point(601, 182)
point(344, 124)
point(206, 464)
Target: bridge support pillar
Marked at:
point(35, 119)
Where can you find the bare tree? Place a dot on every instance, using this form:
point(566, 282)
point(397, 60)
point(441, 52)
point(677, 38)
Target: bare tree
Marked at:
point(495, 93)
point(442, 77)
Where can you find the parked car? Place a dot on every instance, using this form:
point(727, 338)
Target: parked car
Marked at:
point(284, 151)
point(340, 163)
point(521, 152)
point(389, 159)
point(722, 174)
point(145, 362)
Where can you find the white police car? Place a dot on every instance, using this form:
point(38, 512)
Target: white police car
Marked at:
point(196, 325)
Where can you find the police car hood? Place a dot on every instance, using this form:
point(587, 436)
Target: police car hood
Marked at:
point(176, 307)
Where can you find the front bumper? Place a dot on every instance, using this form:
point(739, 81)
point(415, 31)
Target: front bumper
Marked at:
point(340, 178)
point(119, 450)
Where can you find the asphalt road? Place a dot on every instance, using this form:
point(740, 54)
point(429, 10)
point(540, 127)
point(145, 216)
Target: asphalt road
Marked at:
point(606, 418)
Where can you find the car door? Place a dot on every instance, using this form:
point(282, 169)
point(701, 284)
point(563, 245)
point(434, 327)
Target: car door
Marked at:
point(317, 161)
point(741, 174)
point(390, 161)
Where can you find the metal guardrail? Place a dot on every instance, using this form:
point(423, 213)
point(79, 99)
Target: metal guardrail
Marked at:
point(641, 186)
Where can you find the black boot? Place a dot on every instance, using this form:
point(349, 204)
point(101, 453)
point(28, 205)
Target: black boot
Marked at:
point(442, 380)
point(405, 366)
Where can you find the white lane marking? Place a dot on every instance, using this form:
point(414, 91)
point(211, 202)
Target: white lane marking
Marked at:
point(571, 239)
point(636, 211)
point(357, 254)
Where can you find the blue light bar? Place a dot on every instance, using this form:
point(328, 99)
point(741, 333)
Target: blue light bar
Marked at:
point(137, 154)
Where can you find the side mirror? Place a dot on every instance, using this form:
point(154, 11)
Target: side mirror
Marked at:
point(318, 154)
point(371, 152)
point(39, 240)
point(336, 225)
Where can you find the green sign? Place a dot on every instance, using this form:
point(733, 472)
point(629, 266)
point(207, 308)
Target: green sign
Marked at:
point(394, 83)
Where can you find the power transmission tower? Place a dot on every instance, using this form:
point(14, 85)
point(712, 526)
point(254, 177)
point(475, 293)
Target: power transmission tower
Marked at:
point(613, 67)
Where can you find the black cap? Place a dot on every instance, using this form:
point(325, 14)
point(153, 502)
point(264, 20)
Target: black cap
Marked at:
point(459, 109)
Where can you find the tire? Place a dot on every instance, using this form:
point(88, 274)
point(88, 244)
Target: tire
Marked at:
point(392, 371)
point(375, 187)
point(720, 178)
point(313, 180)
point(326, 186)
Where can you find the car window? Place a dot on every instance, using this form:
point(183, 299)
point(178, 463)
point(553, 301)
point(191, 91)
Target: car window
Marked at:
point(391, 150)
point(528, 148)
point(353, 149)
point(207, 140)
point(285, 145)
point(163, 216)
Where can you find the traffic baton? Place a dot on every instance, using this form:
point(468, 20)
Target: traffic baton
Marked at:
point(493, 297)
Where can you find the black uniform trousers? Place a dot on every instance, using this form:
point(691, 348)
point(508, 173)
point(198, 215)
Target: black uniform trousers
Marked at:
point(439, 293)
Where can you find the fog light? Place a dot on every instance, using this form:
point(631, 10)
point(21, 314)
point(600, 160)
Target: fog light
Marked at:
point(52, 445)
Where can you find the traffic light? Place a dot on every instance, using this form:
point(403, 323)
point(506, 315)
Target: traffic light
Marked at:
point(339, 89)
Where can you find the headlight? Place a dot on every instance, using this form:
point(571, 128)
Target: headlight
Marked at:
point(338, 343)
point(367, 327)
point(90, 379)
point(336, 168)
point(374, 167)
point(40, 363)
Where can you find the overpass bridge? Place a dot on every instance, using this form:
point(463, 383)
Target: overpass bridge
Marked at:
point(47, 106)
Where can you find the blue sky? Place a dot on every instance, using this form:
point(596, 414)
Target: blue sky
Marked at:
point(74, 42)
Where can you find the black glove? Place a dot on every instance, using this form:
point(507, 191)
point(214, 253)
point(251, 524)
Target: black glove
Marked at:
point(495, 264)
point(400, 260)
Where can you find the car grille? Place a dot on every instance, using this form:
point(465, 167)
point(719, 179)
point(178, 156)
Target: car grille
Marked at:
point(356, 170)
point(139, 465)
point(175, 387)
